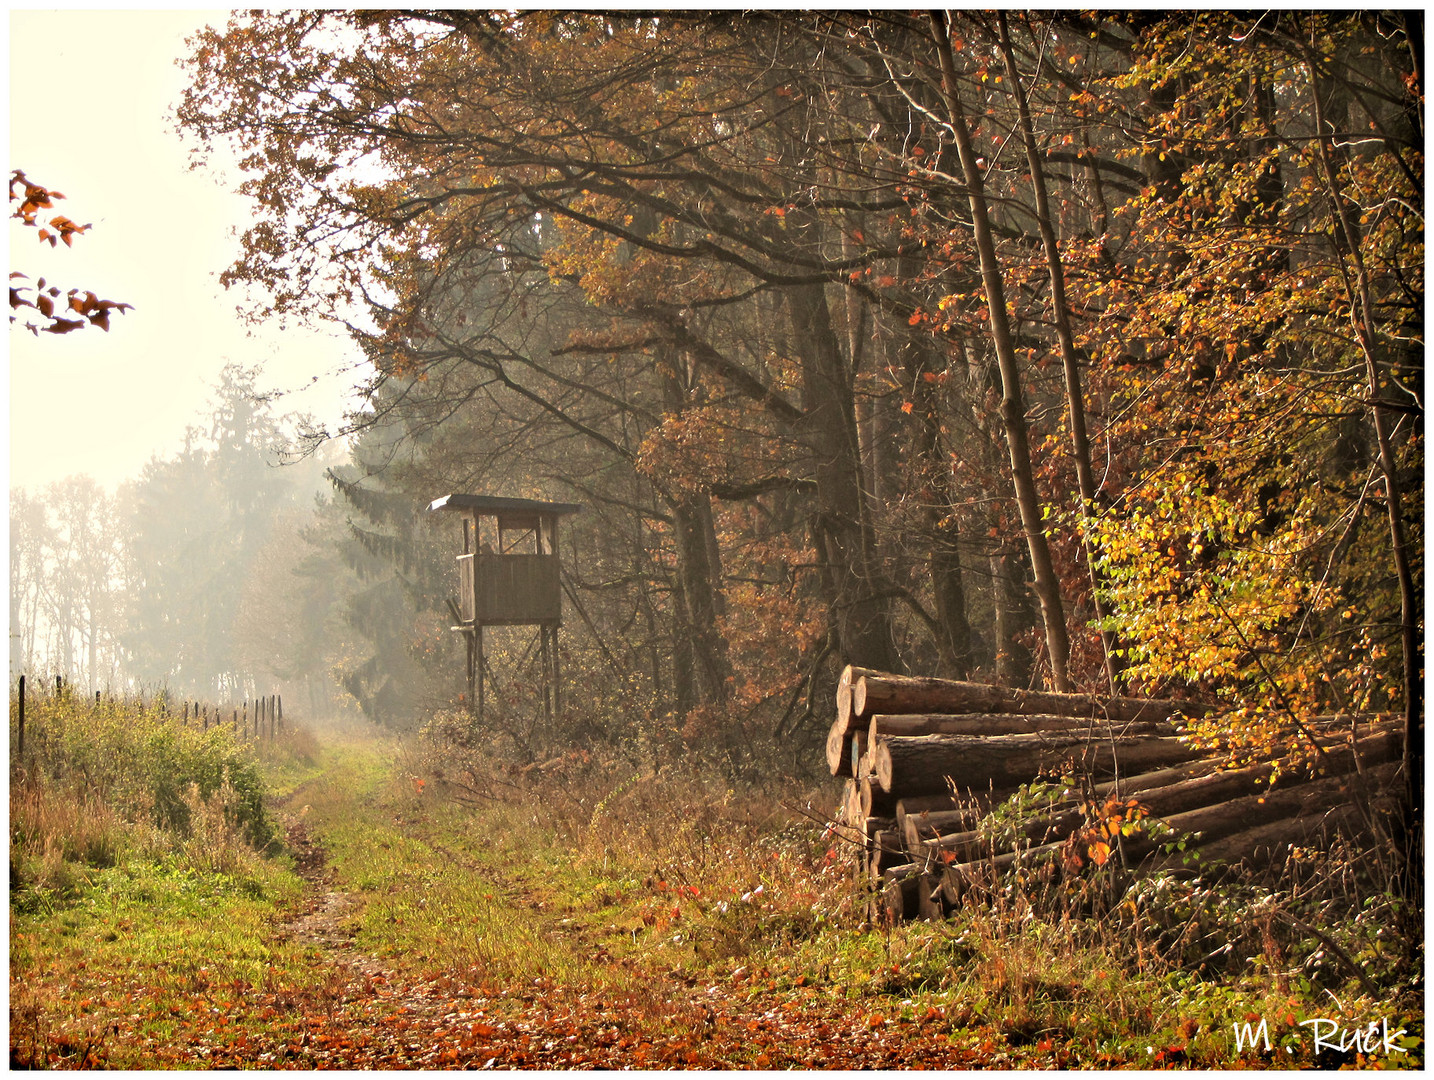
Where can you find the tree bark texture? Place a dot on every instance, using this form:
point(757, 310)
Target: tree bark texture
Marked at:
point(892, 695)
point(1061, 318)
point(1286, 817)
point(1362, 317)
point(1004, 724)
point(929, 764)
point(1191, 801)
point(842, 538)
point(1013, 407)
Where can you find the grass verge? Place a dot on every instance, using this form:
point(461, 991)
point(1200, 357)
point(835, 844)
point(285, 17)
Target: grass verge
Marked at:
point(658, 915)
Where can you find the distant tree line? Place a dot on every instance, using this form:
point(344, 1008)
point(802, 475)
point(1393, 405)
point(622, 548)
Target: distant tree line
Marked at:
point(184, 578)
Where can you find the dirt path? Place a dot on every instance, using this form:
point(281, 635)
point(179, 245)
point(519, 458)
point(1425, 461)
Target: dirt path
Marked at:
point(367, 1015)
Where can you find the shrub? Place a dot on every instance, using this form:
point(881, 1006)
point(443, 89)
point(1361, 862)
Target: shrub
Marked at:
point(104, 781)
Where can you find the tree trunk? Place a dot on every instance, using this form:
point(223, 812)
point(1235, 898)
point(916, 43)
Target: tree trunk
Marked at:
point(840, 530)
point(1013, 617)
point(931, 477)
point(1061, 317)
point(683, 684)
point(892, 694)
point(1362, 317)
point(698, 574)
point(930, 764)
point(1005, 724)
point(1013, 409)
point(710, 669)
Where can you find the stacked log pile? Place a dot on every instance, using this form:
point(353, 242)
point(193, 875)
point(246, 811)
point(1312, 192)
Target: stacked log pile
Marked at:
point(926, 758)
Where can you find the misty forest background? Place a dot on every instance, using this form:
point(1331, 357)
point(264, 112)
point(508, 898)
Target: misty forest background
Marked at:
point(1060, 350)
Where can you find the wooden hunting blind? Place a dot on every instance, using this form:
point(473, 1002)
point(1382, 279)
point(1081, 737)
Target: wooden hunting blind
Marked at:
point(509, 574)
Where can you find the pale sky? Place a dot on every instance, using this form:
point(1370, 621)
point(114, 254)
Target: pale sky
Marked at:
point(92, 95)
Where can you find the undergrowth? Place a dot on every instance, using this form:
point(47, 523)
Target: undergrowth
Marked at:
point(1103, 968)
point(103, 782)
point(140, 901)
point(142, 883)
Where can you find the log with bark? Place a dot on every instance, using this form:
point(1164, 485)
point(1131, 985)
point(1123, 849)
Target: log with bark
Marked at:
point(928, 764)
point(930, 902)
point(1001, 724)
point(1197, 785)
point(1271, 842)
point(929, 837)
point(899, 899)
point(1287, 815)
point(925, 807)
point(920, 804)
point(909, 892)
point(916, 828)
point(898, 694)
point(927, 759)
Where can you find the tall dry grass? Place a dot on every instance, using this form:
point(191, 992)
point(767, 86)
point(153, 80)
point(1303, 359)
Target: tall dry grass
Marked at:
point(102, 782)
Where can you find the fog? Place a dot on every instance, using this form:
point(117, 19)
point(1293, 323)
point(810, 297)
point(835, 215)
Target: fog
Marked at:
point(182, 578)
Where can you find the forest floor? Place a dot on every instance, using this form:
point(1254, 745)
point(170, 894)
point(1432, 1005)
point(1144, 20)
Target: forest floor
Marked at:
point(401, 929)
point(287, 977)
point(373, 1013)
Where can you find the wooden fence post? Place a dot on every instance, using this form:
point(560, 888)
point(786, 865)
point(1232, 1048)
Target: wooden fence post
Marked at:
point(21, 739)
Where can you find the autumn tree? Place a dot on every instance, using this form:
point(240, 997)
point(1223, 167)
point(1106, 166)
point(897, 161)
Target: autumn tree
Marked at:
point(55, 309)
point(760, 255)
point(874, 330)
point(1267, 326)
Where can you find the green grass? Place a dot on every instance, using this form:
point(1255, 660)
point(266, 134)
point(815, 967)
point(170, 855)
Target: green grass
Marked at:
point(139, 898)
point(150, 947)
point(606, 882)
point(678, 874)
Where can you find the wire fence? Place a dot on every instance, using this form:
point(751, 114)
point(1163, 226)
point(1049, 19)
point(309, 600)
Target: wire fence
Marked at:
point(257, 720)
